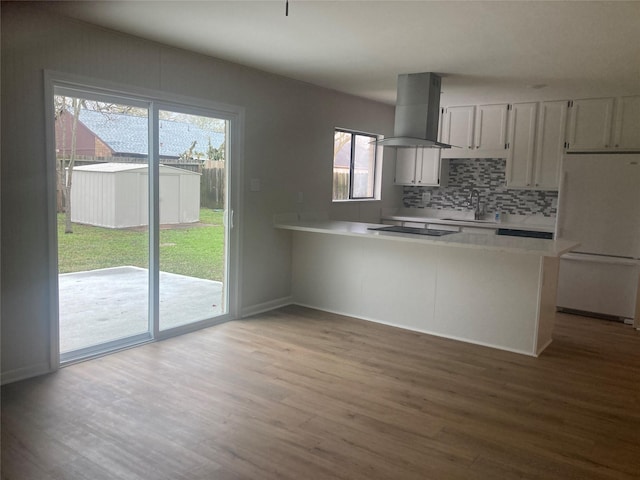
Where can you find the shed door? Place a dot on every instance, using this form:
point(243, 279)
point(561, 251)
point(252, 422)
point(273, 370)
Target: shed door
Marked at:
point(169, 199)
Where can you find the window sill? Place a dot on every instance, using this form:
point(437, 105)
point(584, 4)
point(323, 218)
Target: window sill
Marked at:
point(354, 200)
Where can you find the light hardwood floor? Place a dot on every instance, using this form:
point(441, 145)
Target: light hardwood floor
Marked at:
point(301, 394)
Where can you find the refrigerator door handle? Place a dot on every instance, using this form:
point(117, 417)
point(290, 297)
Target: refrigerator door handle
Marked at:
point(562, 192)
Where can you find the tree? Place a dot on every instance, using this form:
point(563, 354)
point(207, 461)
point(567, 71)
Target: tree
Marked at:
point(340, 140)
point(215, 153)
point(189, 153)
point(66, 163)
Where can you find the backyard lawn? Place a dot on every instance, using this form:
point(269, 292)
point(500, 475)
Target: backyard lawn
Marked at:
point(193, 250)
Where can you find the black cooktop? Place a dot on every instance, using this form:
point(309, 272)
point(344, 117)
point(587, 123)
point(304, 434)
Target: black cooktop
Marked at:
point(414, 230)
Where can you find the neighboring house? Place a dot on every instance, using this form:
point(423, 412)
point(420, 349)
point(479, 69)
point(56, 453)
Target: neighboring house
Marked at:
point(120, 135)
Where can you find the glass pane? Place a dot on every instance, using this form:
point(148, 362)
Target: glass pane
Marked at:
point(193, 202)
point(102, 166)
point(341, 165)
point(364, 167)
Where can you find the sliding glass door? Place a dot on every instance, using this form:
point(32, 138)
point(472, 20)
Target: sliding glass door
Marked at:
point(192, 205)
point(192, 202)
point(101, 146)
point(142, 209)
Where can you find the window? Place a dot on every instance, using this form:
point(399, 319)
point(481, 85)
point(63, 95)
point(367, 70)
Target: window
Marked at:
point(355, 166)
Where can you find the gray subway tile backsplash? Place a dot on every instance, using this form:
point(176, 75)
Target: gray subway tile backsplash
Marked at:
point(488, 177)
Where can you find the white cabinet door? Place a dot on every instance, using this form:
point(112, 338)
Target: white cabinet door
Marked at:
point(405, 166)
point(457, 128)
point(522, 133)
point(428, 166)
point(590, 126)
point(491, 127)
point(627, 131)
point(550, 144)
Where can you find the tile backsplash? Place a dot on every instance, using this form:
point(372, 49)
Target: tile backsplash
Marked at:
point(488, 177)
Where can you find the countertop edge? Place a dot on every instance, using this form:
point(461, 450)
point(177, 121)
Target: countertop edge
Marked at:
point(359, 229)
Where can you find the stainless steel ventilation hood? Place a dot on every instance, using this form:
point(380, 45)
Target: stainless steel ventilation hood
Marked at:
point(417, 112)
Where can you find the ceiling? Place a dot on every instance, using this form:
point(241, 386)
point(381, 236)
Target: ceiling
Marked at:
point(488, 51)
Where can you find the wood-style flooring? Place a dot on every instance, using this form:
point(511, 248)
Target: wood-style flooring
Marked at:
point(301, 394)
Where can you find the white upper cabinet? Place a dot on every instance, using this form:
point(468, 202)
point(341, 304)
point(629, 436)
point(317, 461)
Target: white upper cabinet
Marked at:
point(475, 131)
point(405, 166)
point(428, 166)
point(491, 127)
point(418, 166)
point(550, 144)
point(457, 127)
point(590, 124)
point(536, 144)
point(627, 126)
point(522, 135)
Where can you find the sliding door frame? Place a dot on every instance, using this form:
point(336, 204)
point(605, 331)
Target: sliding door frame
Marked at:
point(154, 100)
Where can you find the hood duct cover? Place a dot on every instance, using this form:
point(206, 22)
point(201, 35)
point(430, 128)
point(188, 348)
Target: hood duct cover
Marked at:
point(417, 112)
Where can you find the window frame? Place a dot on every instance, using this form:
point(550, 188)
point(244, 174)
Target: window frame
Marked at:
point(377, 166)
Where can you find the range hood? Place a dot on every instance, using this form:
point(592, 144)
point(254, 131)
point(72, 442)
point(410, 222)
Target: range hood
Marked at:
point(417, 112)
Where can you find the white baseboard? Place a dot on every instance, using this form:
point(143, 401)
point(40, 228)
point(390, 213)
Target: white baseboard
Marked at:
point(427, 332)
point(544, 347)
point(266, 306)
point(24, 373)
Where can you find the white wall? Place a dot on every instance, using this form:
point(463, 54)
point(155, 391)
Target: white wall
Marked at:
point(288, 145)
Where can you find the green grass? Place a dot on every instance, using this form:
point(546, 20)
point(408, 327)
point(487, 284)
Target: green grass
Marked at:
point(196, 251)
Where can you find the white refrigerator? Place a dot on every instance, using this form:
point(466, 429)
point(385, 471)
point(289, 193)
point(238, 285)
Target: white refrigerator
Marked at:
point(599, 206)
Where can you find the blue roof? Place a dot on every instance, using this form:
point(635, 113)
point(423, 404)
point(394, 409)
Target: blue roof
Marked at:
point(127, 134)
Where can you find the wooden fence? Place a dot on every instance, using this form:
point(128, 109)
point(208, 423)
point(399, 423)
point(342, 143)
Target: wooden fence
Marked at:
point(340, 184)
point(212, 183)
point(341, 180)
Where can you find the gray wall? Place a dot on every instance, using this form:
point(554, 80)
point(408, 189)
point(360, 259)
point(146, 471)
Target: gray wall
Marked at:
point(288, 145)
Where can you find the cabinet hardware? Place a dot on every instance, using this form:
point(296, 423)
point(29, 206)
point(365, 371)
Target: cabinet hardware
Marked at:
point(617, 145)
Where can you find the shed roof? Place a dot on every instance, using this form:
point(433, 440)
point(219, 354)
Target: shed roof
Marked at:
point(114, 167)
point(127, 134)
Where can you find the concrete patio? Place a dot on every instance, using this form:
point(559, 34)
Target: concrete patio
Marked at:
point(98, 306)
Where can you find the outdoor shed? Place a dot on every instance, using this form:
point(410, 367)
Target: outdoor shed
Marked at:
point(115, 195)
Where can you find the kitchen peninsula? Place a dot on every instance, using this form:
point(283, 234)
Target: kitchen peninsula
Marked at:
point(486, 289)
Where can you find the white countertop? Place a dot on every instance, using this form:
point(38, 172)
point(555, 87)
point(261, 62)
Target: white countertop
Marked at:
point(534, 223)
point(530, 246)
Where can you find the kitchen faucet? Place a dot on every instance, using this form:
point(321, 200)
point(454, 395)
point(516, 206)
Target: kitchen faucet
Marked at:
point(476, 214)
